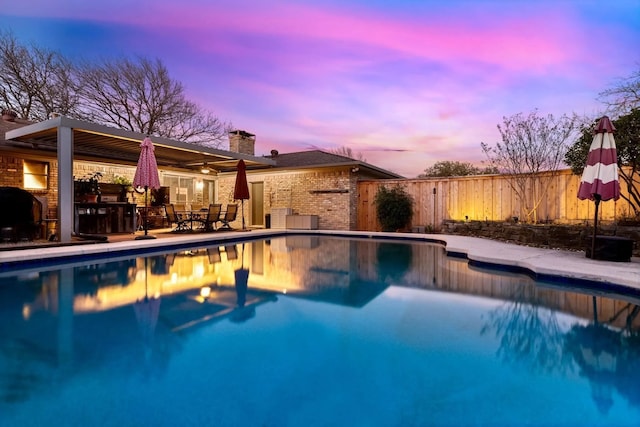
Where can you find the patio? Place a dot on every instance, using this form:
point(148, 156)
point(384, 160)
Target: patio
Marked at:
point(159, 233)
point(70, 140)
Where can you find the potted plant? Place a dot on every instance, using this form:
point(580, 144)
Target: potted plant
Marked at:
point(127, 186)
point(88, 188)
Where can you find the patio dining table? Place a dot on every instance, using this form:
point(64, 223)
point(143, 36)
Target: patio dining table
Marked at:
point(191, 216)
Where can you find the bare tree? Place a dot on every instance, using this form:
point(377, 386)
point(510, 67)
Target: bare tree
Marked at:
point(35, 82)
point(530, 145)
point(348, 152)
point(624, 96)
point(528, 333)
point(137, 95)
point(141, 96)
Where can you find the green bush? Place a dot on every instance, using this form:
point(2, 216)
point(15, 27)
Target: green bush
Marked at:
point(394, 208)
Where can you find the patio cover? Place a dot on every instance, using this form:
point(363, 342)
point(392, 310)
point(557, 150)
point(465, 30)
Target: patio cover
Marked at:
point(73, 139)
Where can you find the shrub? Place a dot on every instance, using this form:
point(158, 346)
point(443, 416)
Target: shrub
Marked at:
point(394, 208)
point(393, 261)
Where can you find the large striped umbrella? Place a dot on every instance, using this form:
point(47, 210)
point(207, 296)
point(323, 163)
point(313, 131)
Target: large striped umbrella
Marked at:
point(146, 176)
point(600, 176)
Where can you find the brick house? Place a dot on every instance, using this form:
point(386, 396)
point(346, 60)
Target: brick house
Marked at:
point(304, 183)
point(307, 183)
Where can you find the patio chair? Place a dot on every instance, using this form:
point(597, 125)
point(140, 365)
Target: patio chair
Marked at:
point(231, 251)
point(173, 218)
point(214, 214)
point(229, 216)
point(213, 254)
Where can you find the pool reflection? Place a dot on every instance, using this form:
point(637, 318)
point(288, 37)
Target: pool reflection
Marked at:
point(144, 307)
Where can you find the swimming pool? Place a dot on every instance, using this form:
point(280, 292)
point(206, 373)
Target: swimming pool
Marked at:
point(311, 331)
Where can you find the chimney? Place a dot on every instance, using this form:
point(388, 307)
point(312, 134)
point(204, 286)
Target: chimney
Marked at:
point(242, 142)
point(9, 115)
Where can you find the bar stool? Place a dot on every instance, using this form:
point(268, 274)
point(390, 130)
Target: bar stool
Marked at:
point(7, 234)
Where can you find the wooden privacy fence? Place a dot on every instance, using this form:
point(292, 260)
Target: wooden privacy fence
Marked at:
point(488, 198)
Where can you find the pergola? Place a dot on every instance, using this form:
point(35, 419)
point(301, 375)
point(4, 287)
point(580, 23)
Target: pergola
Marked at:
point(74, 139)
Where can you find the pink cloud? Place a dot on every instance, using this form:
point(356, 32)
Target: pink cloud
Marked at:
point(432, 84)
point(513, 39)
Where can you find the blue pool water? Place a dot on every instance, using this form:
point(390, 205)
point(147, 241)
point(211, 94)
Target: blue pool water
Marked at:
point(309, 331)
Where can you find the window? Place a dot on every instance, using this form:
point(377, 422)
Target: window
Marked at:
point(35, 175)
point(181, 188)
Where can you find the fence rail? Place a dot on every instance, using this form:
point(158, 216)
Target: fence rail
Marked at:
point(488, 198)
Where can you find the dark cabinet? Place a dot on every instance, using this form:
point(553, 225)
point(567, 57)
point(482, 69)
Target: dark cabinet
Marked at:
point(105, 218)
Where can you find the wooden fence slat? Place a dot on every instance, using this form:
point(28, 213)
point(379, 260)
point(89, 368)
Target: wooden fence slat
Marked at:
point(486, 197)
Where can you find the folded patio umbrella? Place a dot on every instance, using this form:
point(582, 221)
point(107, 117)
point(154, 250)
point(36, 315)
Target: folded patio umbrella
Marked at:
point(241, 188)
point(600, 176)
point(147, 311)
point(146, 176)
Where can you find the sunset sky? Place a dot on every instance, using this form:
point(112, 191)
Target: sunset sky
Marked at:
point(406, 83)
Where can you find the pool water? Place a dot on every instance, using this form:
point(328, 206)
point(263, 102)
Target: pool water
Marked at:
point(311, 331)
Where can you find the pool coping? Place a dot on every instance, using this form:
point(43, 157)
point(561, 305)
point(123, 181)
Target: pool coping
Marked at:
point(554, 266)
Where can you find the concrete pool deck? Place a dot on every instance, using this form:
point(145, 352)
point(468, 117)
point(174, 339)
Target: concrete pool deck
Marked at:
point(540, 262)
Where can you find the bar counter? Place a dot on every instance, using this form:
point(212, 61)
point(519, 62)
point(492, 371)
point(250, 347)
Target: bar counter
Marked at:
point(104, 218)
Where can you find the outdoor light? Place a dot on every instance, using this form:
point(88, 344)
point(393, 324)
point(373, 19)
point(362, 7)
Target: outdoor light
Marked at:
point(205, 292)
point(205, 168)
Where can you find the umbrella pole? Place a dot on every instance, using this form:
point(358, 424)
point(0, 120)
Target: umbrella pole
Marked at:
point(595, 227)
point(242, 204)
point(146, 210)
point(146, 217)
point(146, 294)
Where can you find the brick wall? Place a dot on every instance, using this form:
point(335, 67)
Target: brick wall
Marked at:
point(11, 175)
point(329, 194)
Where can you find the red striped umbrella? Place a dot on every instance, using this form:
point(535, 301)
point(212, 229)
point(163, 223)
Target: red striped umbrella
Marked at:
point(146, 175)
point(600, 176)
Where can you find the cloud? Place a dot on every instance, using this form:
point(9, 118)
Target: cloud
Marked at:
point(430, 78)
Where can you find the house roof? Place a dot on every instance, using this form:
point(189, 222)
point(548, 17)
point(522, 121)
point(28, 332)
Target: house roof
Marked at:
point(97, 142)
point(319, 158)
point(6, 125)
point(102, 143)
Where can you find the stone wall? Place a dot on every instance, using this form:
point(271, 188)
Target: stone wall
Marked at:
point(555, 236)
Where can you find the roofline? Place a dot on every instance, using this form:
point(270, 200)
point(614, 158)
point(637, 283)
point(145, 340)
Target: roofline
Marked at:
point(355, 163)
point(63, 121)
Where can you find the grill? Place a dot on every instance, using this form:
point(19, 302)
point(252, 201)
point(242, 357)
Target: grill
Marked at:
point(20, 215)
